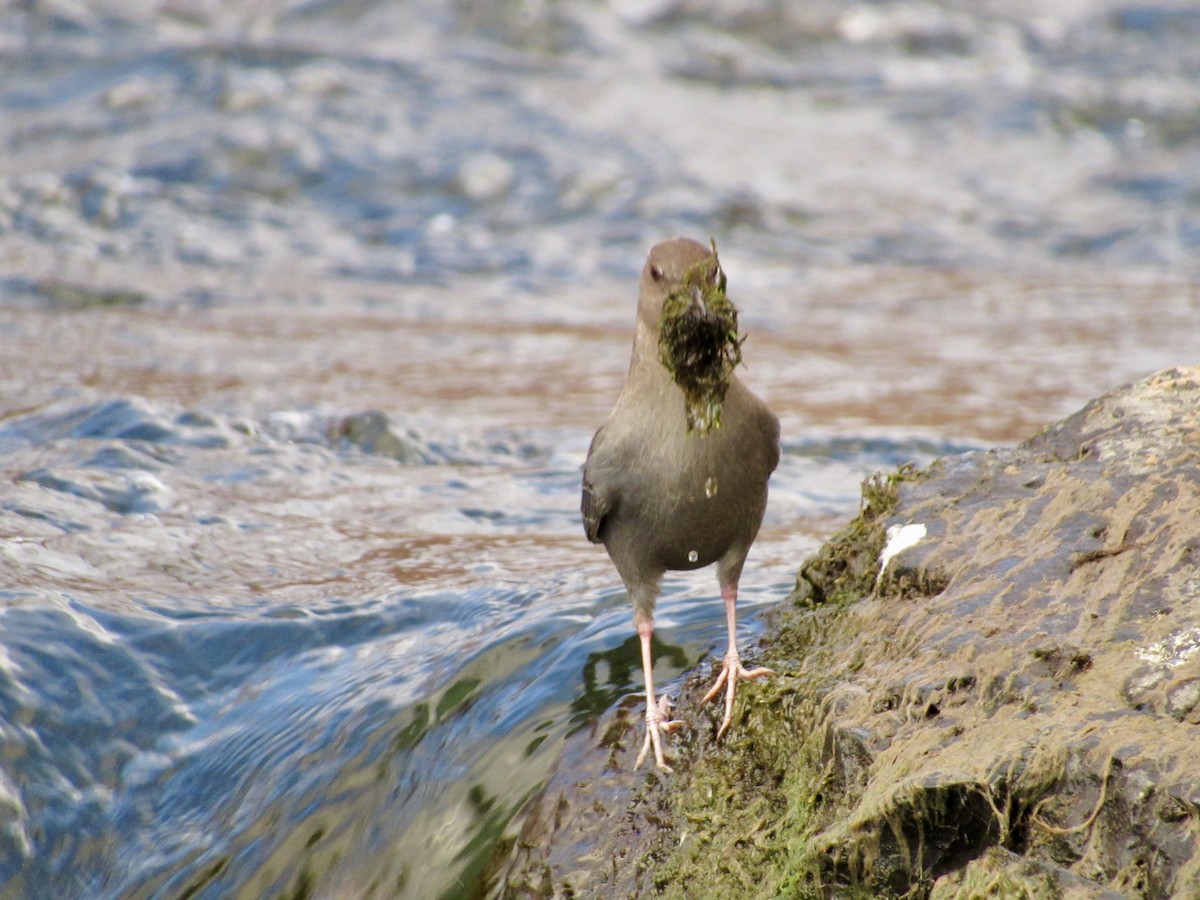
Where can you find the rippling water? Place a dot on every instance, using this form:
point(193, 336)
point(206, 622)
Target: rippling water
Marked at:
point(308, 312)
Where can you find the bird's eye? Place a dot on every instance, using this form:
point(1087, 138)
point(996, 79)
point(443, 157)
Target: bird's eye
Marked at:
point(656, 273)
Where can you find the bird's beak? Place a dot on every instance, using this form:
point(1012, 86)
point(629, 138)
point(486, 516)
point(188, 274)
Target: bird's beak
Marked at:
point(698, 305)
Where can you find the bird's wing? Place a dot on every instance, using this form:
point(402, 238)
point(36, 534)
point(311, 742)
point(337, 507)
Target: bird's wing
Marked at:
point(772, 429)
point(595, 507)
point(598, 500)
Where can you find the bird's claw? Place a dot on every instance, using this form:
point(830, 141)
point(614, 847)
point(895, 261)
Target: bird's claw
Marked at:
point(731, 672)
point(658, 723)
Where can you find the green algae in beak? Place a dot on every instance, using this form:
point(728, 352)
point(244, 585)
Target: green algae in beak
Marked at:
point(698, 341)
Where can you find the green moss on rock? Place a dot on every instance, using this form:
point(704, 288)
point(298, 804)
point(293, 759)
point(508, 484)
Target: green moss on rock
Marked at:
point(846, 566)
point(745, 817)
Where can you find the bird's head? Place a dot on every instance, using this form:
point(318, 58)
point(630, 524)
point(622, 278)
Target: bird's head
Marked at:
point(669, 266)
point(683, 299)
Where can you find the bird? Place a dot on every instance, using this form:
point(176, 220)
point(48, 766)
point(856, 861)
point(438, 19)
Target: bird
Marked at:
point(673, 480)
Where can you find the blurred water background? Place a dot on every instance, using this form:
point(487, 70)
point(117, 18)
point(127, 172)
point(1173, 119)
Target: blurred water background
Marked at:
point(308, 310)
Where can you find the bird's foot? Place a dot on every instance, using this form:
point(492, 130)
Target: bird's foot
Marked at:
point(658, 723)
point(731, 672)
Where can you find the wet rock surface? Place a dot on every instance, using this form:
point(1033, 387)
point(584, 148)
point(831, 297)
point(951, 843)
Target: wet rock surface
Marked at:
point(1009, 710)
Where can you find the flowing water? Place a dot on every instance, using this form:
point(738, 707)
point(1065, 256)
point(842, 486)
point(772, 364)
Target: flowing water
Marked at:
point(308, 311)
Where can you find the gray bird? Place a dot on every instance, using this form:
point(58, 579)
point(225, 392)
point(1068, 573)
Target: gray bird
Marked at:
point(664, 492)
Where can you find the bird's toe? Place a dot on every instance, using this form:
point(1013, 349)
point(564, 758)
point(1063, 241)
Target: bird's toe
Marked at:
point(653, 741)
point(732, 671)
point(658, 723)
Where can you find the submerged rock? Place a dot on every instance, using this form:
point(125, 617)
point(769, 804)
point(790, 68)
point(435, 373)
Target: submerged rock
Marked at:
point(373, 432)
point(1009, 709)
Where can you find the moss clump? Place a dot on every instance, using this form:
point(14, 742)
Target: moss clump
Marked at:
point(846, 566)
point(698, 341)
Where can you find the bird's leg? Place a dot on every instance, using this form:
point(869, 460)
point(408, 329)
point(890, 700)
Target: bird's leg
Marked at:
point(732, 669)
point(658, 712)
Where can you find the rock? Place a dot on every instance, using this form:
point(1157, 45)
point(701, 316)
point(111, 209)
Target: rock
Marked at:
point(137, 92)
point(1009, 709)
point(373, 432)
point(484, 177)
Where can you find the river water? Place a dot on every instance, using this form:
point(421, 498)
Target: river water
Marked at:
point(308, 311)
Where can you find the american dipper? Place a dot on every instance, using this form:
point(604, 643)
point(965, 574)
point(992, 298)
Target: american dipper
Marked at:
point(677, 477)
